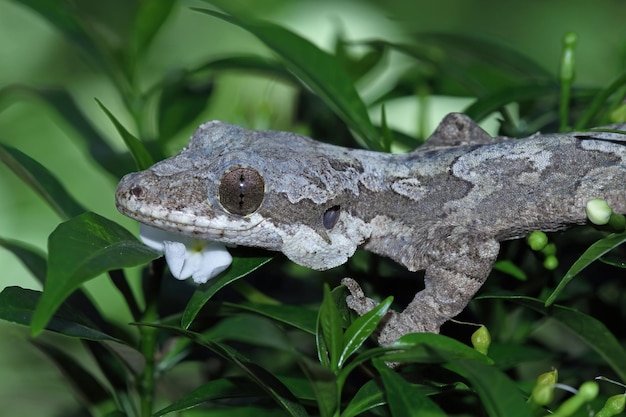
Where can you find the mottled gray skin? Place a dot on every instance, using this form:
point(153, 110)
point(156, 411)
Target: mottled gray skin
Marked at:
point(442, 208)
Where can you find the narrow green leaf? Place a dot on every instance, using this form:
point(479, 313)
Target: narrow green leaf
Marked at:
point(299, 317)
point(142, 157)
point(37, 177)
point(181, 102)
point(403, 398)
point(499, 395)
point(590, 330)
point(79, 250)
point(329, 336)
point(432, 348)
point(599, 100)
point(239, 268)
point(252, 330)
point(325, 387)
point(594, 252)
point(31, 257)
point(494, 101)
point(212, 390)
point(362, 328)
point(18, 304)
point(149, 18)
point(249, 63)
point(367, 397)
point(264, 379)
point(82, 381)
point(62, 102)
point(488, 52)
point(65, 19)
point(318, 70)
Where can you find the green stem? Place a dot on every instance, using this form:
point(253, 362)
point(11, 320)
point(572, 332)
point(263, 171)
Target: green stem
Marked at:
point(148, 344)
point(566, 78)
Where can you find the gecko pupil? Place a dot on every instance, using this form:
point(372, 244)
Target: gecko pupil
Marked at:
point(241, 191)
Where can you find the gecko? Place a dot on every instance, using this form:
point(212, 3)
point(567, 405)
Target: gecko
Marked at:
point(443, 208)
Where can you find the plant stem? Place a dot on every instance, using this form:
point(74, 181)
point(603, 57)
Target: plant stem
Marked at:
point(149, 336)
point(566, 78)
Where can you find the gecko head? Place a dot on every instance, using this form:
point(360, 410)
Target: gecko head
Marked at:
point(274, 190)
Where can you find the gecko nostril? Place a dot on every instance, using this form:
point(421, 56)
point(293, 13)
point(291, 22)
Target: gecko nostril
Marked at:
point(137, 191)
point(331, 216)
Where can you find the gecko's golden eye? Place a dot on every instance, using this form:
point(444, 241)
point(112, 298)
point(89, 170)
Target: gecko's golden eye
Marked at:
point(241, 191)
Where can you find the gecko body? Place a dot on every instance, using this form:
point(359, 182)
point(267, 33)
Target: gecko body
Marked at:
point(442, 208)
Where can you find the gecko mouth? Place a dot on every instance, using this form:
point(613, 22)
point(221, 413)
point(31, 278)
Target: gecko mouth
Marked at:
point(216, 226)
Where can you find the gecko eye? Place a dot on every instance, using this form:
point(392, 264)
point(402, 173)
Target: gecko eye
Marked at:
point(241, 191)
point(330, 217)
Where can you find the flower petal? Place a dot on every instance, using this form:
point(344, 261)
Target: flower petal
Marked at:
point(186, 256)
point(215, 259)
point(176, 255)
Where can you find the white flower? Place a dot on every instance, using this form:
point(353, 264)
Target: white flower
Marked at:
point(186, 256)
point(598, 211)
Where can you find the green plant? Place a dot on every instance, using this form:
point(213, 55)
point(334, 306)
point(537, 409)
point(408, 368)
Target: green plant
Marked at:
point(282, 358)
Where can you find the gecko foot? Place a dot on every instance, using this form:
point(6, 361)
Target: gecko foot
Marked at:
point(393, 326)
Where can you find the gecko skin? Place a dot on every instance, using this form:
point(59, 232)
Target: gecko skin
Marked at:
point(442, 208)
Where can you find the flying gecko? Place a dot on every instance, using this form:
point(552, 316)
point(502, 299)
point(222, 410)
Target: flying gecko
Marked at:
point(442, 208)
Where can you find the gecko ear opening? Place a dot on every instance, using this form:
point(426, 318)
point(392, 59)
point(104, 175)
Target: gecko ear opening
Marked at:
point(241, 191)
point(331, 216)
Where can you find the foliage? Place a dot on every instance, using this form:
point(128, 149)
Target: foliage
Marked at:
point(285, 358)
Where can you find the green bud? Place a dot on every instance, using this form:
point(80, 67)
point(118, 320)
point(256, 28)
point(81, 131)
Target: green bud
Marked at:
point(613, 406)
point(543, 392)
point(537, 240)
point(567, 59)
point(481, 340)
point(551, 262)
point(617, 222)
point(587, 392)
point(598, 211)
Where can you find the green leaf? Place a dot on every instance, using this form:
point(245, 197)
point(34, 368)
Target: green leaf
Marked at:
point(499, 395)
point(149, 18)
point(594, 252)
point(318, 70)
point(63, 103)
point(181, 102)
point(251, 330)
point(362, 328)
point(367, 397)
point(239, 268)
point(18, 304)
point(494, 101)
point(432, 348)
point(31, 257)
point(37, 177)
point(264, 379)
point(142, 157)
point(403, 398)
point(299, 317)
point(64, 18)
point(599, 100)
point(79, 250)
point(267, 67)
point(591, 331)
point(89, 389)
point(213, 390)
point(324, 385)
point(329, 337)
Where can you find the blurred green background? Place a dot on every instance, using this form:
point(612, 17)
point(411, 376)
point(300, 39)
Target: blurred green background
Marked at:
point(33, 53)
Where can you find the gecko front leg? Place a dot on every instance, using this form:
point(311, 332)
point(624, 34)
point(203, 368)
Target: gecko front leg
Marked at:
point(450, 283)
